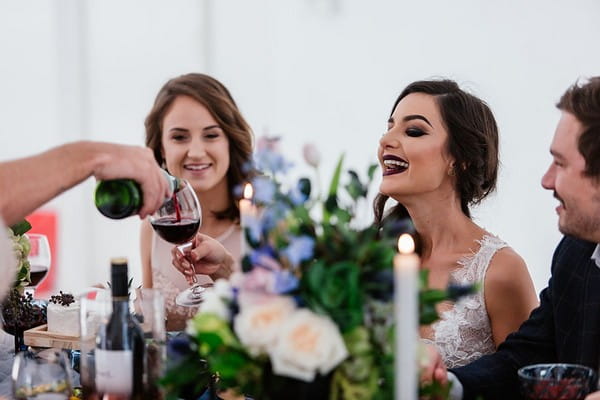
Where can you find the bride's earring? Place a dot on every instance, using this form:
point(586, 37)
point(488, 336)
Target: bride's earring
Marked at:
point(451, 171)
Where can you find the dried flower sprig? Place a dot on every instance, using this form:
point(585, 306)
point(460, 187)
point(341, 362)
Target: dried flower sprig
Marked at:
point(64, 299)
point(20, 312)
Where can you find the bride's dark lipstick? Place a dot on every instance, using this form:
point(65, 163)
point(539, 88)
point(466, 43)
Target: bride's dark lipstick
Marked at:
point(393, 165)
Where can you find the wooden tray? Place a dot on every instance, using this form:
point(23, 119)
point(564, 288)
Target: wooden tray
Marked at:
point(40, 337)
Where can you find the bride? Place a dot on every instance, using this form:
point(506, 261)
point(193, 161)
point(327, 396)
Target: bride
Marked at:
point(439, 155)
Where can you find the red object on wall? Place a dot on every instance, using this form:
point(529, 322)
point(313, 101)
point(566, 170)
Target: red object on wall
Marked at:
point(45, 222)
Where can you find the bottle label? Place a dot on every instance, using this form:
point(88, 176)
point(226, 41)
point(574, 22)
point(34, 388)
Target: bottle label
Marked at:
point(114, 371)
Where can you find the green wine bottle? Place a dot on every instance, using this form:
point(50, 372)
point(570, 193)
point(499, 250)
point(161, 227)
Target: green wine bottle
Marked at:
point(119, 355)
point(121, 198)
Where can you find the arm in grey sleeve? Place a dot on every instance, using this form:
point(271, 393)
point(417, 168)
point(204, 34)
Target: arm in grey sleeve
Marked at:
point(456, 391)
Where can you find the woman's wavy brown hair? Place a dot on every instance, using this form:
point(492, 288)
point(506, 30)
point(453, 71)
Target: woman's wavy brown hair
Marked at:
point(472, 142)
point(216, 98)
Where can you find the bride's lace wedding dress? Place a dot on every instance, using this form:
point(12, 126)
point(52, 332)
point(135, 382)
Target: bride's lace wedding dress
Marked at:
point(463, 333)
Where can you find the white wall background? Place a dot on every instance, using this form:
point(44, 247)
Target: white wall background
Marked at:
point(325, 71)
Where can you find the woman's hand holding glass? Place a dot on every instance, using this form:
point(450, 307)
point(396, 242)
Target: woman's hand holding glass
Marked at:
point(205, 256)
point(177, 221)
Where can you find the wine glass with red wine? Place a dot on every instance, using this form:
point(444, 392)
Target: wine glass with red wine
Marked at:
point(177, 222)
point(39, 260)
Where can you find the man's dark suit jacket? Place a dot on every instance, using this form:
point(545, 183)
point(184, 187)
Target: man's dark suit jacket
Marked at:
point(564, 328)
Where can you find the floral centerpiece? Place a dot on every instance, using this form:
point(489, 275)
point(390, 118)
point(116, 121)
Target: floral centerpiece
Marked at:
point(19, 312)
point(21, 248)
point(312, 315)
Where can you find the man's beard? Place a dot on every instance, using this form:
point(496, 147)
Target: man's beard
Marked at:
point(581, 226)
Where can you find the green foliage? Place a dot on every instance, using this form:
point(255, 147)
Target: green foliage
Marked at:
point(189, 374)
point(330, 204)
point(21, 228)
point(334, 290)
point(358, 376)
point(435, 390)
point(348, 277)
point(21, 248)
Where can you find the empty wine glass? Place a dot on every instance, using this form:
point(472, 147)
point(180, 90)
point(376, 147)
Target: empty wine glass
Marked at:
point(39, 259)
point(177, 222)
point(44, 376)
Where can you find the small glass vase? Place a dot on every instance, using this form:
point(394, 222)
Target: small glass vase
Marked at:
point(13, 328)
point(19, 313)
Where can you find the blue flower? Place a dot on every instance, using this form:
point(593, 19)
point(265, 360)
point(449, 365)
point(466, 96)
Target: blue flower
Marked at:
point(254, 226)
point(249, 167)
point(285, 282)
point(301, 248)
point(271, 161)
point(273, 214)
point(262, 257)
point(298, 194)
point(179, 347)
point(264, 190)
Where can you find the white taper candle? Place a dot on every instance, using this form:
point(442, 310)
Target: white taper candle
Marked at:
point(406, 267)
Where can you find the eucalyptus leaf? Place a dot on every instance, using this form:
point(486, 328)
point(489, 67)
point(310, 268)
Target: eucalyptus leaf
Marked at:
point(355, 188)
point(20, 228)
point(331, 206)
point(331, 201)
point(335, 180)
point(371, 171)
point(433, 296)
point(304, 186)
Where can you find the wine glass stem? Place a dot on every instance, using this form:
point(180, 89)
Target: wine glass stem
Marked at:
point(184, 249)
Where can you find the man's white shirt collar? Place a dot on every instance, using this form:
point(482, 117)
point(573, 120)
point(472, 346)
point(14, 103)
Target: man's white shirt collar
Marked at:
point(596, 255)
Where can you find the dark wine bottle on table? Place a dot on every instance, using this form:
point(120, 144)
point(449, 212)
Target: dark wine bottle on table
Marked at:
point(121, 198)
point(119, 355)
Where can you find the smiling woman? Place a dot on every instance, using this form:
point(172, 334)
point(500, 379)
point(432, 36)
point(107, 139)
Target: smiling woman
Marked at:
point(198, 134)
point(438, 156)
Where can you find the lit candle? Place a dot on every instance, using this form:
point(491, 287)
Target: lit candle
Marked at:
point(406, 266)
point(247, 212)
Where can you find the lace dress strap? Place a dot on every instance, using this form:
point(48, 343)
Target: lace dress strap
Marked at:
point(475, 266)
point(463, 333)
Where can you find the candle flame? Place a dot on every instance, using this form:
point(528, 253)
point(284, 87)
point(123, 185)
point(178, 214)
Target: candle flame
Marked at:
point(248, 191)
point(406, 244)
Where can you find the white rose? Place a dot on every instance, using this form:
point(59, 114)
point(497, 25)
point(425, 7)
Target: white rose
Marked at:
point(311, 155)
point(190, 328)
point(307, 343)
point(223, 289)
point(257, 326)
point(236, 279)
point(215, 304)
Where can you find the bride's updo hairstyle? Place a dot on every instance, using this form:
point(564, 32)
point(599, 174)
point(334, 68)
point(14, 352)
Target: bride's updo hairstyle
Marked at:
point(472, 142)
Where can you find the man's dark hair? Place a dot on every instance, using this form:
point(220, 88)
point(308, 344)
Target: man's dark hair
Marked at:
point(582, 100)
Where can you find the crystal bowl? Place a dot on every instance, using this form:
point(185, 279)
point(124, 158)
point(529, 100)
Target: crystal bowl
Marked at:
point(556, 381)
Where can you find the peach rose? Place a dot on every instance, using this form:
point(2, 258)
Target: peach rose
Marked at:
point(258, 325)
point(307, 343)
